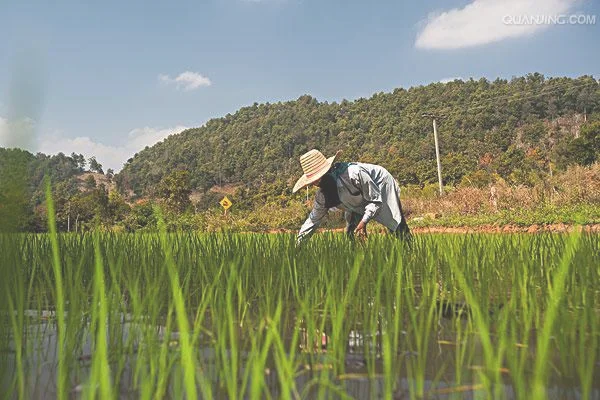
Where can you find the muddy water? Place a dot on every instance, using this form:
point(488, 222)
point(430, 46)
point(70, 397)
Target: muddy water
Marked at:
point(362, 376)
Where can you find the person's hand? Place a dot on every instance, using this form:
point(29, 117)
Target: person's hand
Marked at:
point(361, 230)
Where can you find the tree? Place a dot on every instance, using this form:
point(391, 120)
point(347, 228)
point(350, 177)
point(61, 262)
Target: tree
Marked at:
point(584, 150)
point(533, 133)
point(455, 166)
point(577, 151)
point(175, 189)
point(591, 134)
point(510, 161)
point(118, 209)
point(255, 144)
point(90, 208)
point(90, 182)
point(141, 217)
point(79, 160)
point(95, 166)
point(14, 189)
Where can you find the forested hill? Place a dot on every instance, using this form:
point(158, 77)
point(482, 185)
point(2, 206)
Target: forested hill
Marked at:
point(513, 128)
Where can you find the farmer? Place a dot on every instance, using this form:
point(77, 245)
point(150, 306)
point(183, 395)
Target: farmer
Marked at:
point(363, 191)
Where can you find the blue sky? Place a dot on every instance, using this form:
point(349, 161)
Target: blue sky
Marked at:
point(108, 78)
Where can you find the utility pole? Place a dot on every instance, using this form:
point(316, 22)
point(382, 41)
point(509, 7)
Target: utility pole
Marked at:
point(69, 217)
point(437, 147)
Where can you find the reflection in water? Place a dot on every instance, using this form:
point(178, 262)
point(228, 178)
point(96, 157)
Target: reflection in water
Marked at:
point(364, 377)
point(317, 342)
point(361, 375)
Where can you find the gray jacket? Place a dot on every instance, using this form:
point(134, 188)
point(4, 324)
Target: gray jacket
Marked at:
point(365, 189)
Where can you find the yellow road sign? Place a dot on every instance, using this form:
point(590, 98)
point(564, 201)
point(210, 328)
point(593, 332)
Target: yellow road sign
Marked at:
point(225, 202)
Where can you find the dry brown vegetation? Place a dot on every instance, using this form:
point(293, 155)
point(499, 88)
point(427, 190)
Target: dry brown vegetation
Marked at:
point(498, 207)
point(575, 186)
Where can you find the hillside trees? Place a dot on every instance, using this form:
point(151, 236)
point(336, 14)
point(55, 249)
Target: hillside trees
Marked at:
point(516, 121)
point(175, 189)
point(583, 150)
point(95, 166)
point(14, 190)
point(519, 130)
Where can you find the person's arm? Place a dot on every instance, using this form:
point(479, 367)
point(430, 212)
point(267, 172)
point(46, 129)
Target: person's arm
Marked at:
point(314, 218)
point(352, 221)
point(371, 193)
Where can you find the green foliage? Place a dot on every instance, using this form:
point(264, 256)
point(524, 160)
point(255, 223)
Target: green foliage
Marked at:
point(522, 132)
point(95, 166)
point(590, 133)
point(583, 150)
point(90, 208)
point(258, 146)
point(479, 178)
point(79, 159)
point(456, 166)
point(90, 182)
point(175, 189)
point(117, 208)
point(14, 190)
point(140, 218)
point(534, 133)
point(271, 215)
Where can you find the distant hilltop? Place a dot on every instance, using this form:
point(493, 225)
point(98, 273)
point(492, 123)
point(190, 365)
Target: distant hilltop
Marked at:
point(519, 132)
point(505, 127)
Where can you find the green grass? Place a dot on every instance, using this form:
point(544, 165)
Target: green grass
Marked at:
point(169, 315)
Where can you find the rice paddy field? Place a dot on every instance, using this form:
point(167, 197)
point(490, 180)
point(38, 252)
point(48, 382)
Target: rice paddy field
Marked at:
point(175, 316)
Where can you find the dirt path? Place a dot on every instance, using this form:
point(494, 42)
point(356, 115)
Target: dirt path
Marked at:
point(506, 229)
point(555, 228)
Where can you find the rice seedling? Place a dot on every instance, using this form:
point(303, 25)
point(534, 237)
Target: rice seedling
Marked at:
point(171, 315)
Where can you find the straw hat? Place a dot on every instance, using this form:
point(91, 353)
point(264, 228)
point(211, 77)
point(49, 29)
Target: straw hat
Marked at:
point(315, 165)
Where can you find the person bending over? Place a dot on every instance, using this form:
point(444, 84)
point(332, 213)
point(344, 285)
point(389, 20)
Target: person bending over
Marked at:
point(364, 191)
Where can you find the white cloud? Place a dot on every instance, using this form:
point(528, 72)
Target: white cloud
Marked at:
point(485, 21)
point(108, 155)
point(186, 80)
point(263, 1)
point(451, 79)
point(147, 136)
point(17, 133)
point(20, 134)
point(3, 132)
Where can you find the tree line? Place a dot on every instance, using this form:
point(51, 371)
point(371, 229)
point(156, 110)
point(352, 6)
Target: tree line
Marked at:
point(521, 131)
